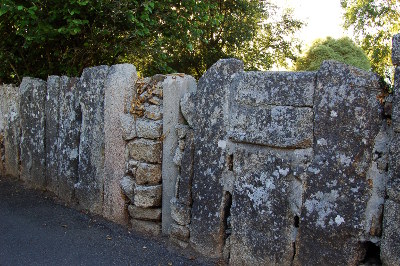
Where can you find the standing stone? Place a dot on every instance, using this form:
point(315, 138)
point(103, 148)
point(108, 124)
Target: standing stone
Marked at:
point(212, 110)
point(70, 119)
point(346, 124)
point(32, 111)
point(396, 101)
point(12, 131)
point(396, 50)
point(52, 109)
point(263, 213)
point(184, 193)
point(118, 89)
point(89, 188)
point(174, 87)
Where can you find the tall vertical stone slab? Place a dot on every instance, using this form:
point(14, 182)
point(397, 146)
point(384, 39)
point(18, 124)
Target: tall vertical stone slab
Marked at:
point(89, 188)
point(53, 98)
point(174, 87)
point(271, 125)
point(390, 245)
point(70, 119)
point(210, 130)
point(11, 130)
point(119, 86)
point(3, 111)
point(32, 112)
point(346, 126)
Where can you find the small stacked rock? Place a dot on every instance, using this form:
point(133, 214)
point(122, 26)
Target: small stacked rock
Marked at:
point(142, 128)
point(181, 204)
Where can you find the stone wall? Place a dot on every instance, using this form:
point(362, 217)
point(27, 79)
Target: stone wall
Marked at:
point(255, 168)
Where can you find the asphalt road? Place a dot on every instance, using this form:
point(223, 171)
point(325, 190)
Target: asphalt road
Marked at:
point(37, 230)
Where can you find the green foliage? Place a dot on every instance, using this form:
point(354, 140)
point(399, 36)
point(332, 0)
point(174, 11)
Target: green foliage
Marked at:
point(374, 22)
point(343, 50)
point(43, 37)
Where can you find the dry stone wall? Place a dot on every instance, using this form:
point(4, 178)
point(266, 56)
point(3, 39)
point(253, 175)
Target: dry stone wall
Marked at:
point(255, 168)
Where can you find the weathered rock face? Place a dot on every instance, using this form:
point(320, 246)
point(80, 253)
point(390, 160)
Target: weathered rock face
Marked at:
point(265, 204)
point(89, 188)
point(174, 87)
point(396, 50)
point(346, 125)
point(118, 90)
point(10, 130)
point(32, 113)
point(211, 104)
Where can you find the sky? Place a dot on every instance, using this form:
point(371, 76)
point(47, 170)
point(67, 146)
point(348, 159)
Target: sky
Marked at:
point(324, 18)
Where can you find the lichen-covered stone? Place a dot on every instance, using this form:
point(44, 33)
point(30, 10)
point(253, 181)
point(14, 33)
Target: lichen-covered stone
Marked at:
point(274, 88)
point(144, 213)
point(396, 50)
point(274, 126)
point(180, 232)
point(52, 110)
point(128, 185)
point(32, 113)
point(396, 101)
point(148, 196)
point(211, 116)
point(174, 87)
point(153, 112)
point(89, 188)
point(128, 126)
point(10, 126)
point(390, 246)
point(263, 210)
point(70, 119)
point(148, 129)
point(118, 89)
point(148, 174)
point(346, 126)
point(188, 108)
point(184, 186)
point(147, 227)
point(180, 213)
point(145, 150)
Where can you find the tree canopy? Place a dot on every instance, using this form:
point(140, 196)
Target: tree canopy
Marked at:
point(374, 22)
point(43, 37)
point(343, 50)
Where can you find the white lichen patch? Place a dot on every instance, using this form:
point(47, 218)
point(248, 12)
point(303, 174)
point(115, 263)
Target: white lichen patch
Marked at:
point(339, 220)
point(323, 204)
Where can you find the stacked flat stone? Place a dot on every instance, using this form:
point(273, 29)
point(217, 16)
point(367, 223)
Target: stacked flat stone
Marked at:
point(390, 248)
point(142, 131)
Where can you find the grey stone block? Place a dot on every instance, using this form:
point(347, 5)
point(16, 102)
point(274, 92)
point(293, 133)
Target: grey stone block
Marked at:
point(184, 186)
point(273, 126)
point(118, 90)
point(145, 150)
point(89, 188)
point(128, 126)
point(188, 107)
point(346, 126)
point(52, 116)
point(146, 227)
point(153, 112)
point(70, 119)
point(390, 245)
point(174, 87)
point(128, 185)
point(148, 196)
point(180, 232)
point(144, 213)
point(180, 213)
point(148, 174)
point(263, 208)
point(396, 101)
point(210, 128)
point(274, 88)
point(10, 126)
point(148, 129)
point(396, 50)
point(32, 113)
